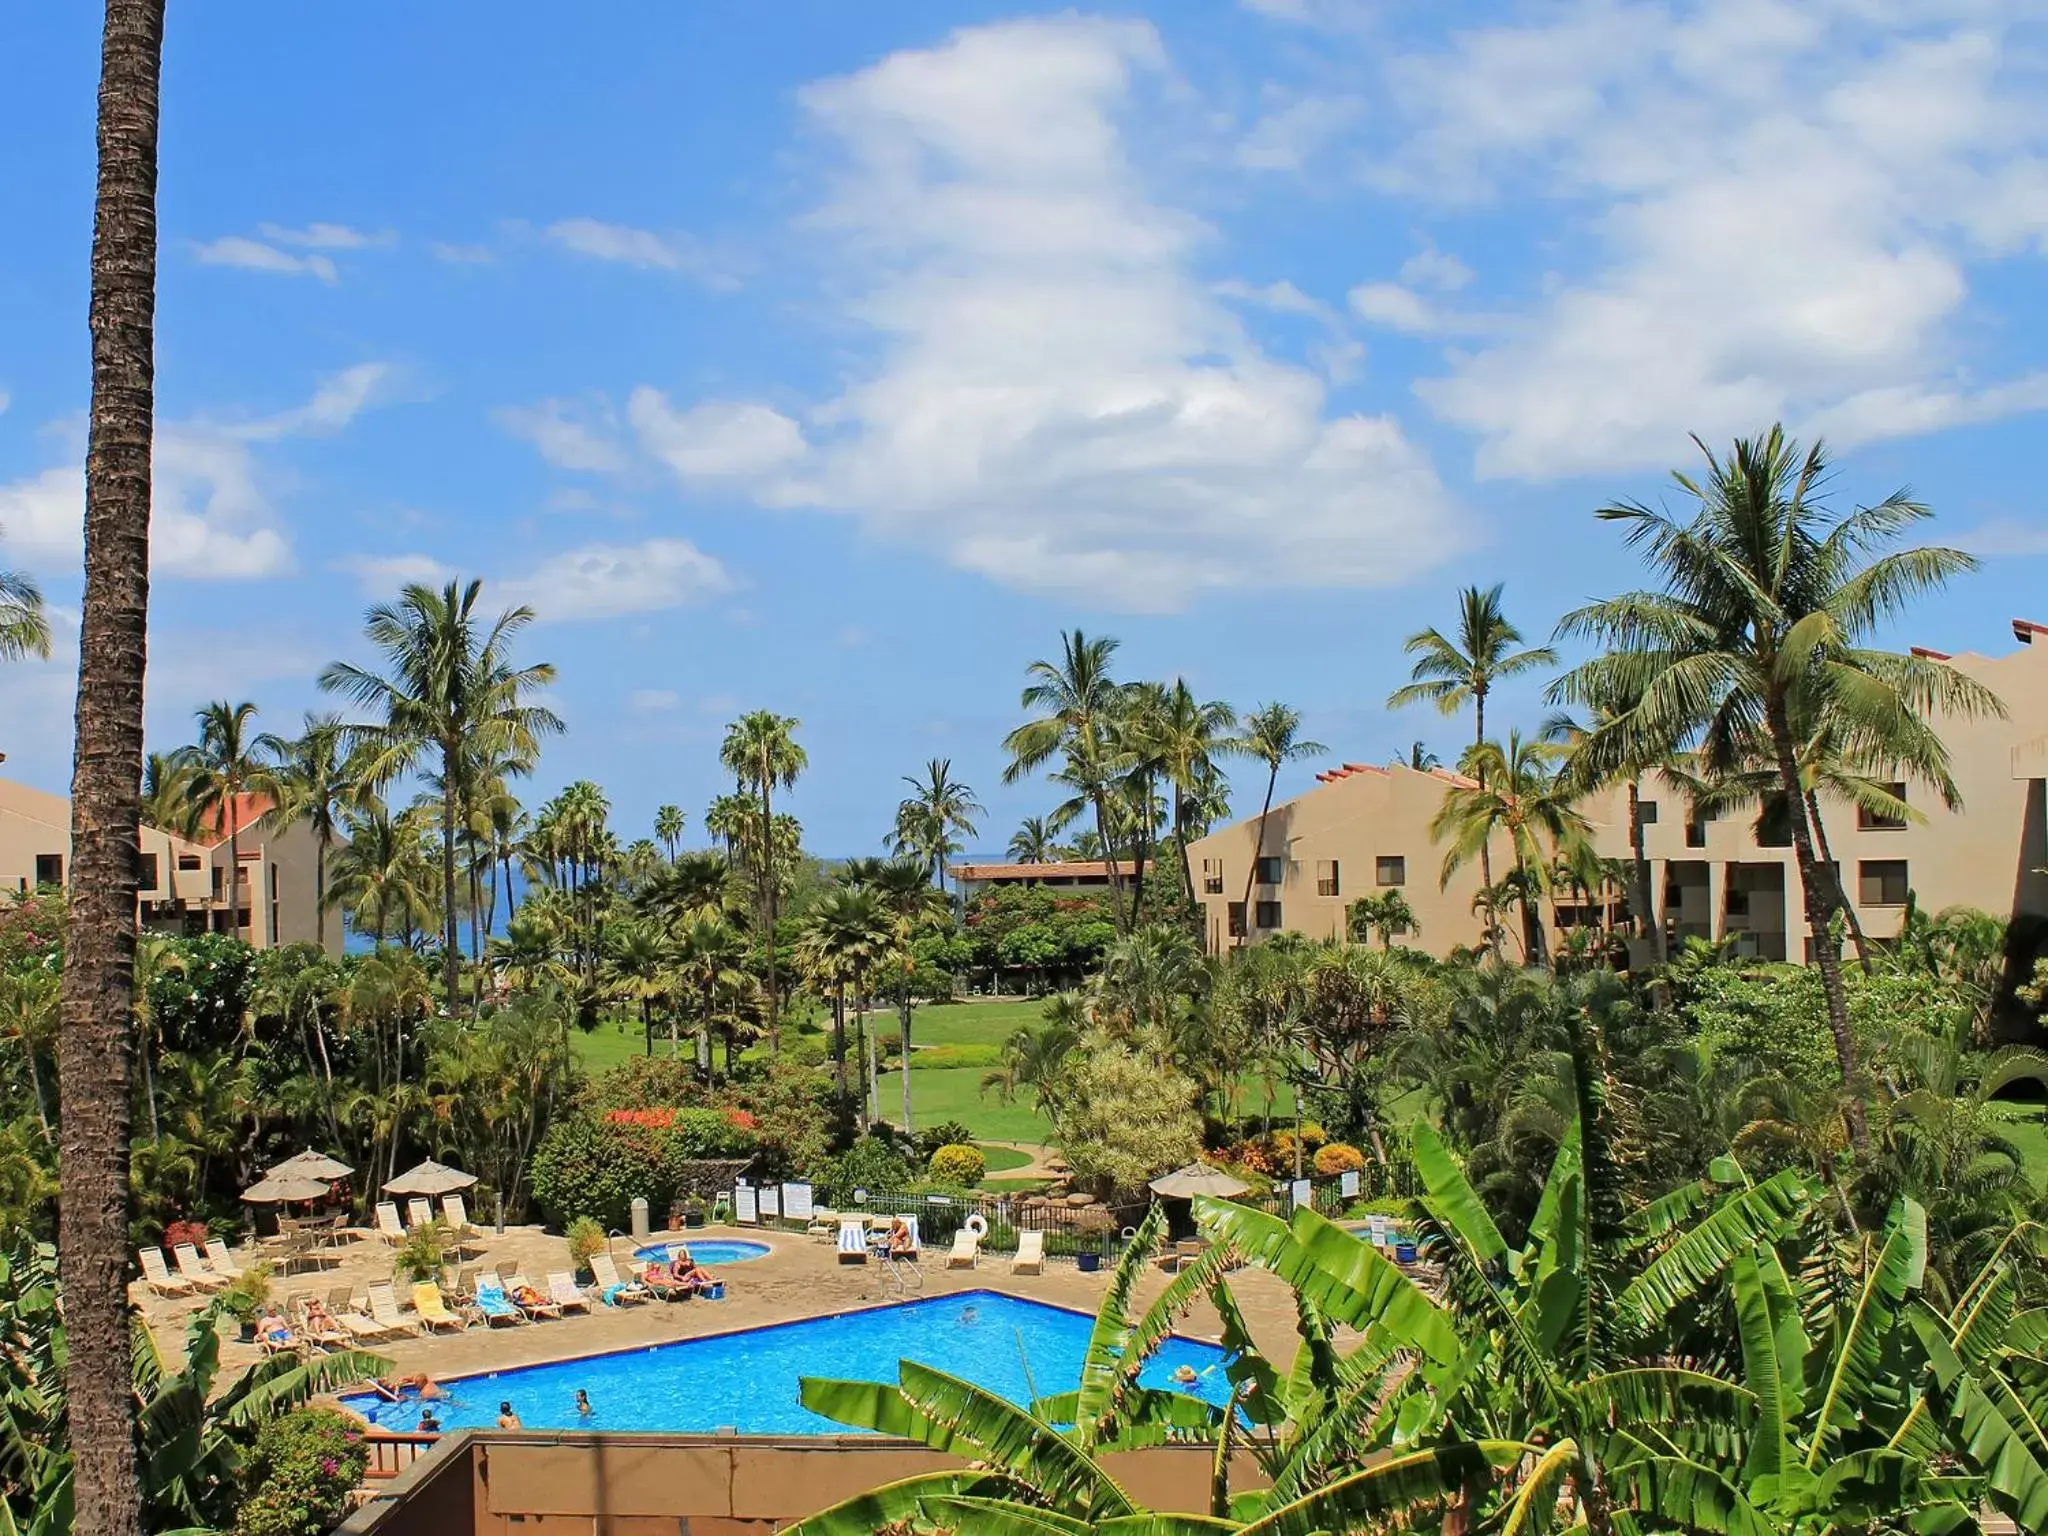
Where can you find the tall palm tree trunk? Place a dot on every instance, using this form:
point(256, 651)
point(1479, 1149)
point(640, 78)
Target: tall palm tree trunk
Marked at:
point(96, 1042)
point(234, 872)
point(1486, 846)
point(1641, 891)
point(839, 1037)
point(1819, 895)
point(1251, 875)
point(768, 897)
point(1116, 885)
point(451, 975)
point(1827, 854)
point(320, 890)
point(905, 1018)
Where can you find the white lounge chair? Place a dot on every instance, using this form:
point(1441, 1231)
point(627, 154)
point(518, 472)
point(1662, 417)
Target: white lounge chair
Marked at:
point(191, 1268)
point(609, 1285)
point(853, 1240)
point(457, 1217)
point(1030, 1256)
point(965, 1250)
point(220, 1261)
point(158, 1274)
point(384, 1309)
point(419, 1212)
point(564, 1292)
point(389, 1227)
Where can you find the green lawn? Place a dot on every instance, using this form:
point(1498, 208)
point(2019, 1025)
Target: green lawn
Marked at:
point(998, 1159)
point(954, 1093)
point(972, 1023)
point(2029, 1132)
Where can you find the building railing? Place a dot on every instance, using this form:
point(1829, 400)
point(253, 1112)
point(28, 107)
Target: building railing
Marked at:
point(391, 1452)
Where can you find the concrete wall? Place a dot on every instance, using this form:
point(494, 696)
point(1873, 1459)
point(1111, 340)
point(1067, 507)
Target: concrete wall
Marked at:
point(536, 1484)
point(1988, 853)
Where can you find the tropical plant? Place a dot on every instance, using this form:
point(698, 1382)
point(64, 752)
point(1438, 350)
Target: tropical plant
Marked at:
point(311, 781)
point(1517, 793)
point(1271, 734)
point(1387, 914)
point(1762, 622)
point(228, 766)
point(668, 828)
point(939, 807)
point(1034, 842)
point(760, 751)
point(24, 626)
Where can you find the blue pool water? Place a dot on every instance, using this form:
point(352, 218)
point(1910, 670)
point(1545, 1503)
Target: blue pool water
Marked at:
point(748, 1381)
point(710, 1253)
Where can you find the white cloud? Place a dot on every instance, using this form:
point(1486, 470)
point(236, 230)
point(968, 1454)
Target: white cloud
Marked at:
point(653, 701)
point(642, 248)
point(563, 439)
point(1783, 203)
point(2003, 537)
point(255, 256)
point(606, 581)
point(1058, 400)
point(326, 237)
point(210, 518)
point(460, 255)
point(1290, 136)
point(382, 575)
point(1432, 268)
point(720, 439)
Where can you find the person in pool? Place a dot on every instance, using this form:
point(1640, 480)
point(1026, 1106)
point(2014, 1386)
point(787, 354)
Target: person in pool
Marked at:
point(583, 1403)
point(429, 1423)
point(507, 1419)
point(419, 1383)
point(1186, 1376)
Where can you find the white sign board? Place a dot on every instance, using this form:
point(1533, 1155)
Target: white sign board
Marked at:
point(1378, 1230)
point(796, 1202)
point(746, 1207)
point(1347, 1185)
point(1300, 1193)
point(771, 1202)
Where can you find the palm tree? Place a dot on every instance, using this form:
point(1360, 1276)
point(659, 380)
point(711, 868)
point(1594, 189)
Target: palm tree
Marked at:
point(1271, 735)
point(1388, 913)
point(1592, 766)
point(760, 751)
point(668, 828)
point(99, 945)
point(846, 935)
point(227, 765)
point(1762, 623)
point(1189, 736)
point(1451, 673)
point(377, 872)
point(913, 906)
point(1077, 701)
point(1518, 794)
point(1418, 756)
point(28, 1016)
point(710, 955)
point(313, 783)
point(1034, 843)
point(938, 807)
point(167, 795)
point(449, 690)
point(24, 627)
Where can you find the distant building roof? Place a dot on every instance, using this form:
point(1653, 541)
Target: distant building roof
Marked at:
point(249, 809)
point(1347, 770)
point(1069, 869)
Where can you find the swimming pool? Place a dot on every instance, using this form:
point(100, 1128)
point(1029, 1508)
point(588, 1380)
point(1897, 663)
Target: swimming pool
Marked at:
point(710, 1253)
point(748, 1381)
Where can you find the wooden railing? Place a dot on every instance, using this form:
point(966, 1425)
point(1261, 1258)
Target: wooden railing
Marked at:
point(391, 1453)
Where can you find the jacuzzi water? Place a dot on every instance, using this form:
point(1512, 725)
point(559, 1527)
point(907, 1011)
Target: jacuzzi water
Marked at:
point(710, 1253)
point(748, 1381)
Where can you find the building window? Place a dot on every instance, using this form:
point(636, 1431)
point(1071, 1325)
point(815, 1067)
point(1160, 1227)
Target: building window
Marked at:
point(1876, 821)
point(1646, 812)
point(220, 882)
point(1212, 877)
point(1269, 914)
point(273, 882)
point(1269, 872)
point(1326, 878)
point(1390, 869)
point(1696, 832)
point(149, 871)
point(1236, 916)
point(188, 861)
point(242, 918)
point(1881, 883)
point(49, 869)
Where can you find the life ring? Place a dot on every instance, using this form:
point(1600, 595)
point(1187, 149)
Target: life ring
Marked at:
point(977, 1224)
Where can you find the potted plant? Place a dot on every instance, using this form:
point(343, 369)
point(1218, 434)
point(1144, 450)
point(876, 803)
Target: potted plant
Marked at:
point(586, 1240)
point(694, 1211)
point(245, 1299)
point(1088, 1260)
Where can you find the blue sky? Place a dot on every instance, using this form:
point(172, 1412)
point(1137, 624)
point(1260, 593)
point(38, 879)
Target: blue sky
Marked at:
point(833, 358)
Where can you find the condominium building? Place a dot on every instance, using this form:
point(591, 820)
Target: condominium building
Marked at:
point(1364, 830)
point(185, 880)
point(1064, 875)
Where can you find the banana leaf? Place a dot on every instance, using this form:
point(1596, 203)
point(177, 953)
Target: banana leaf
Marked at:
point(1062, 1473)
point(1894, 1273)
point(890, 1506)
point(1695, 1260)
point(1770, 1449)
point(1396, 1486)
point(1103, 1367)
point(1686, 1494)
point(1455, 1201)
point(1535, 1502)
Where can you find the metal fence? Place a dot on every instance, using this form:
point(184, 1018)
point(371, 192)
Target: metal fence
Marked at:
point(1069, 1231)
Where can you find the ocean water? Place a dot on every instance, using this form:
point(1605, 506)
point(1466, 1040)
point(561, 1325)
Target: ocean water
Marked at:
point(710, 1253)
point(748, 1381)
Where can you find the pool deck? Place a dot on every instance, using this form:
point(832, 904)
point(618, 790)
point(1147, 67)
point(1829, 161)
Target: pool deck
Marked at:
point(800, 1278)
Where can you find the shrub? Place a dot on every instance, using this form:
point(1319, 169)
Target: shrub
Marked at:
point(247, 1294)
point(193, 1232)
point(1127, 1119)
point(871, 1164)
point(932, 1058)
point(594, 1165)
point(946, 1133)
point(586, 1239)
point(959, 1164)
point(419, 1256)
point(1335, 1157)
point(299, 1475)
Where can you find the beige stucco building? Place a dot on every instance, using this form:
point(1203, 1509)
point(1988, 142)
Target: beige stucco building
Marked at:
point(1365, 829)
point(184, 886)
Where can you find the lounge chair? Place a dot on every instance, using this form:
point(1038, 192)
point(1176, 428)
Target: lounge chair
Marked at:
point(389, 1227)
point(663, 1284)
point(191, 1267)
point(433, 1310)
point(220, 1261)
point(610, 1286)
point(465, 1284)
point(328, 1335)
point(457, 1217)
point(384, 1310)
point(419, 1212)
point(1030, 1256)
point(158, 1274)
point(288, 1342)
point(563, 1292)
point(1184, 1253)
point(357, 1324)
point(853, 1240)
point(493, 1303)
point(965, 1251)
point(533, 1309)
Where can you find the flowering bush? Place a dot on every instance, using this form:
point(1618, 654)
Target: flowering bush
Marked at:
point(1335, 1157)
point(594, 1165)
point(193, 1232)
point(299, 1474)
point(653, 1119)
point(959, 1164)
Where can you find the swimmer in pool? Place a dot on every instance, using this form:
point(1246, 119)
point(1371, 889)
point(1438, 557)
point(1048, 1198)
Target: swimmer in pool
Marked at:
point(583, 1403)
point(969, 1316)
point(429, 1425)
point(507, 1419)
point(1185, 1375)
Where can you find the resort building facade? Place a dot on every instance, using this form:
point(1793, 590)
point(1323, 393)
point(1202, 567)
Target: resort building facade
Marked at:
point(1072, 874)
point(1364, 830)
point(185, 880)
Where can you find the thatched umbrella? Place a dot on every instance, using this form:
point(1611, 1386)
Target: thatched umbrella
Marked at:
point(1198, 1179)
point(284, 1189)
point(430, 1179)
point(310, 1165)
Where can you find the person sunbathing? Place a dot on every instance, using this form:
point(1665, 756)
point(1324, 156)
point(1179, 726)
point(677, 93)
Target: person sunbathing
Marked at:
point(900, 1245)
point(274, 1332)
point(317, 1318)
point(686, 1272)
point(526, 1296)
